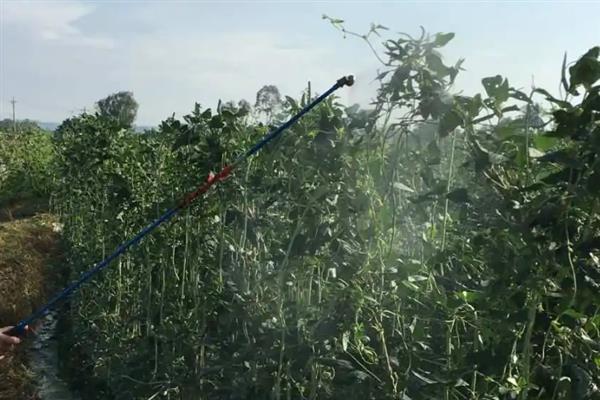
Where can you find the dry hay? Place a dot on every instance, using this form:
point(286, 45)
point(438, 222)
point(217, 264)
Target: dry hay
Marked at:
point(28, 250)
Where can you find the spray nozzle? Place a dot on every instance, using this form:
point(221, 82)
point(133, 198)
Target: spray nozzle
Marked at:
point(346, 81)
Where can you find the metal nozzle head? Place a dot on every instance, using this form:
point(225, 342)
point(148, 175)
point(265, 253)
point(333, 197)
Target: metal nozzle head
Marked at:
point(346, 81)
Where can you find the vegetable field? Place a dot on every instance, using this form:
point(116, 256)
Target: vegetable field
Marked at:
point(433, 246)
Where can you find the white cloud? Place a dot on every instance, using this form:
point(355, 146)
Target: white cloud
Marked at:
point(52, 21)
point(167, 67)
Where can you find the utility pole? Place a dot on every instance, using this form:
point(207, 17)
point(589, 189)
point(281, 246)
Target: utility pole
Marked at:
point(13, 102)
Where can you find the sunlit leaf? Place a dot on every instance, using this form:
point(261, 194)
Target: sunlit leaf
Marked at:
point(441, 39)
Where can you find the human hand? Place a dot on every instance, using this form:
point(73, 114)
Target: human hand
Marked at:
point(7, 341)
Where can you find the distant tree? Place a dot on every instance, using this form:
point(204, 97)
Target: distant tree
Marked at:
point(533, 115)
point(120, 106)
point(242, 108)
point(268, 100)
point(24, 125)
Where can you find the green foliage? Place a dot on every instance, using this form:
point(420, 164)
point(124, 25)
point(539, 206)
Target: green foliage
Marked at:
point(26, 166)
point(435, 246)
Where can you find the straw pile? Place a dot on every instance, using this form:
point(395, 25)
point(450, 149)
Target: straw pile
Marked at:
point(29, 249)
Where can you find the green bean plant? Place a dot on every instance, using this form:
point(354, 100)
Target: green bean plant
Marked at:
point(432, 246)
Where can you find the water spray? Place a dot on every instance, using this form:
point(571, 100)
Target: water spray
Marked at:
point(211, 180)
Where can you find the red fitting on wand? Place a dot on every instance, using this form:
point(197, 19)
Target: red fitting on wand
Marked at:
point(211, 179)
point(224, 172)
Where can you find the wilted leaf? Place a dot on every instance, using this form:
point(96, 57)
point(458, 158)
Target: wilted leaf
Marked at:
point(345, 340)
point(535, 153)
point(403, 187)
point(417, 278)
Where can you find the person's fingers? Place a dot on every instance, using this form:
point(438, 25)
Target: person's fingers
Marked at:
point(6, 329)
point(9, 339)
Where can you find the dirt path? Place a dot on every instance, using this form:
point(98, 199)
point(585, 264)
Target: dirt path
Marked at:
point(29, 254)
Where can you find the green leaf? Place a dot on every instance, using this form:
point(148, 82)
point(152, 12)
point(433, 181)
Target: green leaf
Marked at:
point(423, 378)
point(563, 74)
point(468, 296)
point(382, 75)
point(455, 70)
point(508, 129)
point(411, 285)
point(512, 381)
point(566, 157)
point(319, 193)
point(471, 106)
point(417, 278)
point(206, 114)
point(359, 376)
point(400, 75)
point(216, 122)
point(228, 115)
point(567, 122)
point(593, 182)
point(482, 156)
point(549, 97)
point(434, 155)
point(586, 70)
point(460, 195)
point(441, 39)
point(292, 102)
point(564, 175)
point(574, 314)
point(517, 94)
point(496, 88)
point(450, 121)
point(434, 62)
point(544, 143)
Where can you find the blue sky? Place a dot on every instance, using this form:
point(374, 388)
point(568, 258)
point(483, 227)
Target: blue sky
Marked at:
point(57, 57)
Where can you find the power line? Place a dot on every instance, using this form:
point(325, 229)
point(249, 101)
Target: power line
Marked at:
point(13, 102)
